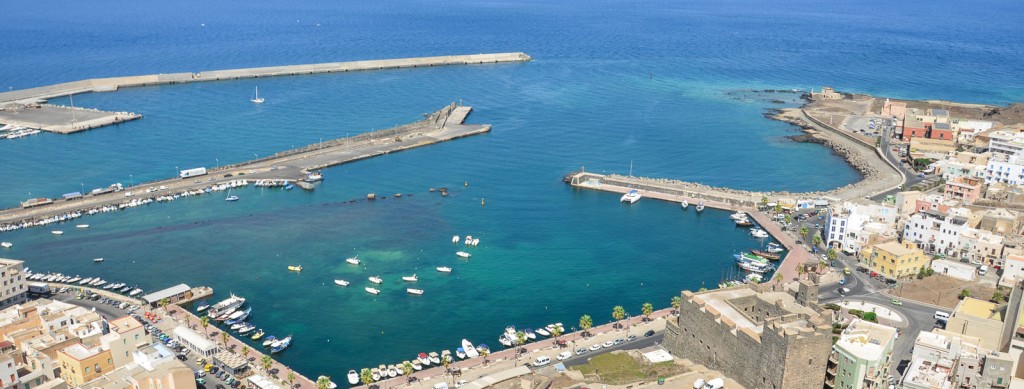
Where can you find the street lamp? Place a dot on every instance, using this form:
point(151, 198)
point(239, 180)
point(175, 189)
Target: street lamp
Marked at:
point(131, 181)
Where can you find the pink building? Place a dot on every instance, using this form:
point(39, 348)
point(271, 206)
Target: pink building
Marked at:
point(965, 189)
point(897, 109)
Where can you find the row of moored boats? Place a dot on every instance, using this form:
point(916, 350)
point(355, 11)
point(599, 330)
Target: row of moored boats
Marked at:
point(233, 314)
point(93, 282)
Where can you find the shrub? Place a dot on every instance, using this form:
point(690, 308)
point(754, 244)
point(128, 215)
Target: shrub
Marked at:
point(832, 306)
point(856, 312)
point(870, 316)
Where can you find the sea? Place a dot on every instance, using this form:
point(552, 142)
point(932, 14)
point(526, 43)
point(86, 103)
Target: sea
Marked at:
point(673, 89)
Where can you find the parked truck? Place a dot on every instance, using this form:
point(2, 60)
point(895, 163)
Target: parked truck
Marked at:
point(199, 171)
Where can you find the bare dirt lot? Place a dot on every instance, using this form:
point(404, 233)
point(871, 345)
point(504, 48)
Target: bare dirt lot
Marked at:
point(941, 290)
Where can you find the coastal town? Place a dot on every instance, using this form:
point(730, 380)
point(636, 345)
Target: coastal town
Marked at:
point(912, 277)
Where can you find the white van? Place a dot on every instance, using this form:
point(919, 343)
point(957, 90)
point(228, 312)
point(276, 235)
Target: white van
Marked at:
point(541, 361)
point(941, 316)
point(982, 270)
point(564, 355)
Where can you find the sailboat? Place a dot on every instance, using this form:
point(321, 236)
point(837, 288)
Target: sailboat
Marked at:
point(633, 195)
point(257, 99)
point(231, 197)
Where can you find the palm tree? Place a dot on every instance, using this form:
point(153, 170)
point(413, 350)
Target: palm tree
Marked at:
point(520, 340)
point(447, 360)
point(323, 382)
point(803, 231)
point(205, 322)
point(407, 368)
point(365, 376)
point(585, 323)
point(676, 302)
point(245, 352)
point(163, 304)
point(647, 310)
point(188, 320)
point(224, 338)
point(816, 240)
point(800, 270)
point(291, 379)
point(266, 362)
point(618, 313)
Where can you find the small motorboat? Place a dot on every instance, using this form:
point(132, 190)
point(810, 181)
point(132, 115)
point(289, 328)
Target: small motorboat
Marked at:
point(97, 260)
point(57, 232)
point(314, 177)
point(281, 346)
point(542, 332)
point(341, 282)
point(455, 239)
point(446, 355)
point(414, 291)
point(744, 222)
point(82, 226)
point(203, 305)
point(135, 292)
point(372, 290)
point(530, 334)
point(738, 215)
point(471, 352)
point(354, 260)
point(416, 365)
point(259, 334)
point(684, 204)
point(376, 280)
point(353, 377)
point(411, 278)
point(269, 340)
point(424, 359)
point(505, 340)
point(469, 239)
point(775, 248)
point(245, 328)
point(444, 269)
point(289, 187)
point(375, 374)
point(759, 233)
point(460, 352)
point(6, 245)
point(699, 207)
point(392, 372)
point(295, 268)
point(463, 254)
point(476, 242)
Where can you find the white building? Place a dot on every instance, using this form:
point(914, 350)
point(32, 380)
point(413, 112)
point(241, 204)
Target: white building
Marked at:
point(12, 282)
point(1008, 169)
point(1006, 142)
point(196, 342)
point(1013, 269)
point(935, 232)
point(858, 224)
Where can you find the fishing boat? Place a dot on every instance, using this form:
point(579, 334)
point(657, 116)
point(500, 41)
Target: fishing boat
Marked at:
point(354, 260)
point(684, 204)
point(765, 254)
point(269, 340)
point(372, 290)
point(740, 257)
point(259, 334)
point(376, 280)
point(455, 239)
point(295, 268)
point(229, 303)
point(57, 232)
point(542, 332)
point(414, 291)
point(82, 226)
point(434, 359)
point(700, 207)
point(460, 352)
point(6, 245)
point(257, 99)
point(744, 222)
point(444, 269)
point(238, 316)
point(423, 359)
point(314, 177)
point(738, 215)
point(203, 305)
point(471, 351)
point(284, 343)
point(759, 233)
point(775, 248)
point(411, 278)
point(631, 197)
point(341, 282)
point(353, 377)
point(463, 254)
point(97, 260)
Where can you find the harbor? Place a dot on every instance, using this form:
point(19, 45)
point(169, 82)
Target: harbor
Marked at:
point(26, 108)
point(300, 165)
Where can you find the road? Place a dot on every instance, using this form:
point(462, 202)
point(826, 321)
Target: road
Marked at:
point(639, 343)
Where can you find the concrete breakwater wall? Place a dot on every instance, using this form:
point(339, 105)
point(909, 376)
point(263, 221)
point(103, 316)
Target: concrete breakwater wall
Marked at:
point(735, 199)
point(113, 83)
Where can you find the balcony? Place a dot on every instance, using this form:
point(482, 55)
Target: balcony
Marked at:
point(831, 371)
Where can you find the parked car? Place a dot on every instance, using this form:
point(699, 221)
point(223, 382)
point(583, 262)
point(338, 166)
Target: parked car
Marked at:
point(581, 351)
point(631, 338)
point(564, 355)
point(897, 302)
point(595, 347)
point(649, 333)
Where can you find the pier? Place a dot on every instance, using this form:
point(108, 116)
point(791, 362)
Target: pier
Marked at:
point(718, 198)
point(292, 165)
point(25, 107)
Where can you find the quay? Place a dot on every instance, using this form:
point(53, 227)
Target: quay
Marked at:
point(24, 107)
point(292, 165)
point(724, 199)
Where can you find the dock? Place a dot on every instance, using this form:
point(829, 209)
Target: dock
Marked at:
point(26, 108)
point(718, 198)
point(292, 165)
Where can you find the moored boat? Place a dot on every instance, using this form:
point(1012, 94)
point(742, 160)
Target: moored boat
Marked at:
point(775, 248)
point(738, 215)
point(259, 334)
point(542, 332)
point(411, 278)
point(372, 290)
point(631, 197)
point(460, 352)
point(238, 316)
point(471, 351)
point(434, 359)
point(444, 269)
point(229, 303)
point(765, 254)
point(414, 291)
point(376, 280)
point(758, 233)
point(203, 305)
point(269, 340)
point(744, 222)
point(699, 207)
point(354, 260)
point(341, 282)
point(463, 254)
point(423, 359)
point(284, 343)
point(353, 377)
point(749, 257)
point(684, 204)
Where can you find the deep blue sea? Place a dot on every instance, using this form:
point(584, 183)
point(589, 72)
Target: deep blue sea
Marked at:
point(661, 84)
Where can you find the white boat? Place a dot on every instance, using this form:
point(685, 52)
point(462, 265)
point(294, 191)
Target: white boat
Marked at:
point(314, 177)
point(372, 290)
point(85, 281)
point(476, 242)
point(57, 232)
point(775, 248)
point(135, 292)
point(411, 278)
point(82, 226)
point(231, 198)
point(738, 215)
point(376, 280)
point(460, 352)
point(257, 99)
point(98, 282)
point(97, 260)
point(684, 204)
point(392, 372)
point(463, 254)
point(471, 351)
point(444, 269)
point(423, 359)
point(354, 260)
point(341, 282)
point(226, 305)
point(269, 340)
point(455, 239)
point(416, 365)
point(414, 291)
point(6, 245)
point(530, 334)
point(353, 377)
point(758, 233)
point(631, 197)
point(469, 239)
point(375, 374)
point(505, 340)
point(542, 332)
point(434, 359)
point(700, 207)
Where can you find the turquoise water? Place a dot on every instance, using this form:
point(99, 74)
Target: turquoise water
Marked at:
point(612, 82)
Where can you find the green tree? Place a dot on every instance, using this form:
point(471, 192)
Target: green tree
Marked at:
point(556, 331)
point(764, 200)
point(870, 316)
point(520, 341)
point(224, 338)
point(997, 297)
point(291, 378)
point(163, 303)
point(407, 368)
point(618, 313)
point(323, 382)
point(803, 231)
point(447, 359)
point(245, 352)
point(647, 309)
point(788, 218)
point(801, 270)
point(965, 293)
point(676, 302)
point(816, 240)
point(205, 322)
point(365, 376)
point(831, 254)
point(266, 362)
point(585, 323)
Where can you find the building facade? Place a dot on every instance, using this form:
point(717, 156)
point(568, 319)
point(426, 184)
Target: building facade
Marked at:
point(862, 356)
point(894, 259)
point(12, 282)
point(964, 189)
point(80, 364)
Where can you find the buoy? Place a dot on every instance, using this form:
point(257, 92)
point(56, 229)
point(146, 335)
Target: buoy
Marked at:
point(466, 184)
point(481, 201)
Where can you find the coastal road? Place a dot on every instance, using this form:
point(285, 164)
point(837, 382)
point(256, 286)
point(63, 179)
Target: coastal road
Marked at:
point(640, 343)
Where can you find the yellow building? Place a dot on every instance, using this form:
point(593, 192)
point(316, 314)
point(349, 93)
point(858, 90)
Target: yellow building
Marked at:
point(80, 364)
point(978, 318)
point(895, 260)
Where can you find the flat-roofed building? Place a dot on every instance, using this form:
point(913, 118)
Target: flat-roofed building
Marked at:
point(80, 364)
point(980, 319)
point(173, 294)
point(126, 335)
point(196, 342)
point(12, 282)
point(966, 190)
point(894, 259)
point(861, 357)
